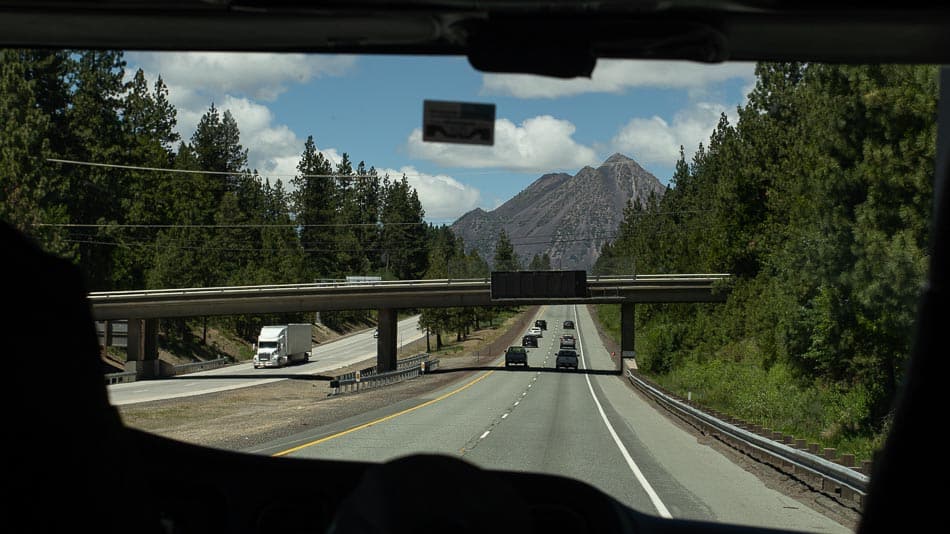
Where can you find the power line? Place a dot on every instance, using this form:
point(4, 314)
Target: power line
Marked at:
point(189, 171)
point(327, 225)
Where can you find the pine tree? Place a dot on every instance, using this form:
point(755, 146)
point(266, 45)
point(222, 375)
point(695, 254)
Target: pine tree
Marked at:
point(30, 194)
point(505, 257)
point(314, 210)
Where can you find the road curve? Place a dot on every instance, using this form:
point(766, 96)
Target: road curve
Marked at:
point(588, 425)
point(324, 359)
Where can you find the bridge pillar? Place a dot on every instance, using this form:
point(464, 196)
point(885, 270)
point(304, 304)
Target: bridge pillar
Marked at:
point(386, 342)
point(142, 348)
point(627, 331)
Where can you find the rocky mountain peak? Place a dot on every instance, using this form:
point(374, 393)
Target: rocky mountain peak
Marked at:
point(618, 158)
point(568, 217)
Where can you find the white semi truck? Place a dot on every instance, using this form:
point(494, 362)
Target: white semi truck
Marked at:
point(280, 345)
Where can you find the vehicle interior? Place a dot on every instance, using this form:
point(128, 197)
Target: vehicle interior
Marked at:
point(59, 466)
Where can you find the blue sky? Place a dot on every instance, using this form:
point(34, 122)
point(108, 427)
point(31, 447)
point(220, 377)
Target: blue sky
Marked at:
point(370, 107)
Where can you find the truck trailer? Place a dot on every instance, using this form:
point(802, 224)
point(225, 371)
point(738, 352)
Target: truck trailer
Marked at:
point(280, 345)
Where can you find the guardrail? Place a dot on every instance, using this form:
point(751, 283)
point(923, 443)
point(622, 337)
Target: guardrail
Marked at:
point(181, 369)
point(194, 367)
point(844, 484)
point(121, 377)
point(368, 378)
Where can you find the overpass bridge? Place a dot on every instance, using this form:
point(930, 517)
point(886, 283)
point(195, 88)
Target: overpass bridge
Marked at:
point(143, 308)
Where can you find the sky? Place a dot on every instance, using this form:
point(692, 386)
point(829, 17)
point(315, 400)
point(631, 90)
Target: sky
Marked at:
point(370, 108)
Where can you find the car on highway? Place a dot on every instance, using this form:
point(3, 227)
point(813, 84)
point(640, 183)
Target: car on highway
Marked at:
point(541, 323)
point(529, 340)
point(158, 146)
point(376, 333)
point(568, 342)
point(516, 355)
point(566, 359)
point(535, 331)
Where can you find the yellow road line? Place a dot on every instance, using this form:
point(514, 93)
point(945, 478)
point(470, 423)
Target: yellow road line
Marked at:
point(383, 419)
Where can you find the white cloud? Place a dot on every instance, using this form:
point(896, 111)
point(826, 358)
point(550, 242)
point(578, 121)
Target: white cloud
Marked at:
point(273, 149)
point(657, 141)
point(541, 144)
point(442, 197)
point(261, 76)
point(616, 76)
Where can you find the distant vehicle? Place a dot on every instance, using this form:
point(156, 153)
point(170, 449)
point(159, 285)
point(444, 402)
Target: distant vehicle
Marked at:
point(568, 342)
point(568, 325)
point(516, 355)
point(535, 331)
point(280, 345)
point(542, 324)
point(529, 341)
point(376, 333)
point(566, 359)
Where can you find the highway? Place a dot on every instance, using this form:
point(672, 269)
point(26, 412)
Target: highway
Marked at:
point(584, 424)
point(324, 359)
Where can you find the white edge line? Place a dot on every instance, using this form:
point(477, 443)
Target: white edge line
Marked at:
point(654, 498)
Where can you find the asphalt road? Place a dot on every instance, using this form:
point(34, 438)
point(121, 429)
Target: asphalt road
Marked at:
point(323, 359)
point(585, 424)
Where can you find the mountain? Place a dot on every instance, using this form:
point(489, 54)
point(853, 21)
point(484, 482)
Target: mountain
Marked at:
point(568, 217)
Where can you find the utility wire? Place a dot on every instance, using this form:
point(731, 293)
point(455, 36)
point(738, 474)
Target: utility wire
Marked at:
point(327, 225)
point(189, 171)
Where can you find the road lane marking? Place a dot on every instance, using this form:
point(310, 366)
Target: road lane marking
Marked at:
point(651, 493)
point(504, 415)
point(383, 419)
point(485, 434)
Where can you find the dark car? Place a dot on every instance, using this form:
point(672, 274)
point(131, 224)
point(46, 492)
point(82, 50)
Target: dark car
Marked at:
point(566, 359)
point(542, 324)
point(568, 342)
point(516, 355)
point(569, 325)
point(529, 341)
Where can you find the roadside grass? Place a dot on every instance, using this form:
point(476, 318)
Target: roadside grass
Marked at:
point(739, 380)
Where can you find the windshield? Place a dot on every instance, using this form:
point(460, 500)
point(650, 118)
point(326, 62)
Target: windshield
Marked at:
point(791, 198)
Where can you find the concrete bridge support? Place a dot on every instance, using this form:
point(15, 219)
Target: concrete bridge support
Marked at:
point(627, 333)
point(143, 348)
point(386, 342)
